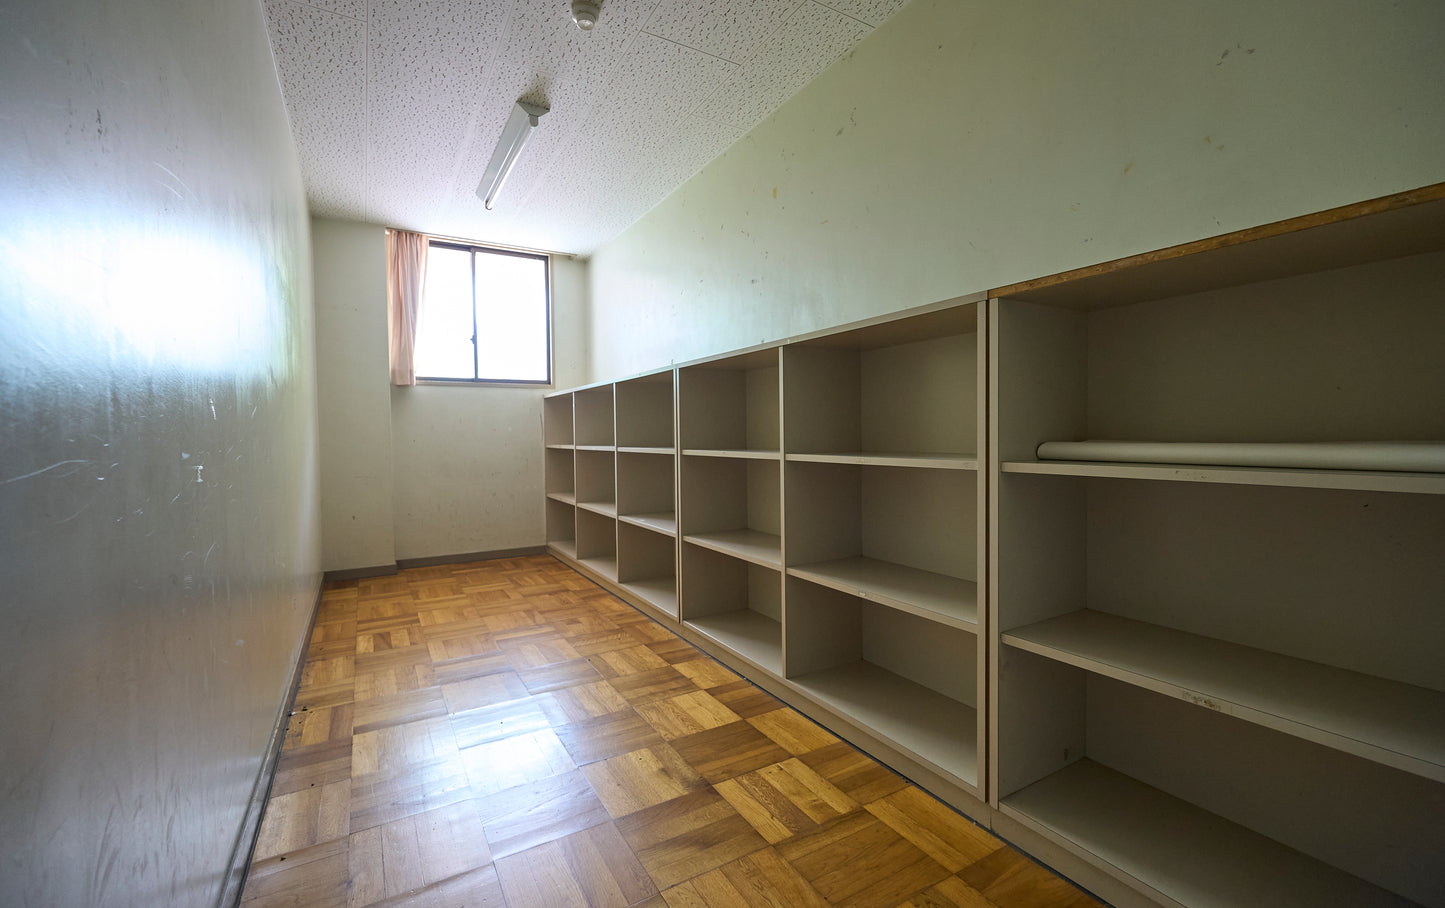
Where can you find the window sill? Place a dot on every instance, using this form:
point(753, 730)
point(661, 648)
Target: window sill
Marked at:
point(483, 383)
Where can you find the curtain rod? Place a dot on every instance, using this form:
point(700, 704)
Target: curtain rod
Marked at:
point(470, 242)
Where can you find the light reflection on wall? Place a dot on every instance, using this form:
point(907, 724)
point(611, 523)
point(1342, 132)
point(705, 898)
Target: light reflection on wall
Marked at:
point(156, 301)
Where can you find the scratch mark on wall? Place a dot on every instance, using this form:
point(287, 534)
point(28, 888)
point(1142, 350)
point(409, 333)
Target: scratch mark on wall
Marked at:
point(43, 470)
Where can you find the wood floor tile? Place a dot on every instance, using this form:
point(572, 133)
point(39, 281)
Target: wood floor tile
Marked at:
point(761, 879)
point(486, 690)
point(607, 736)
point(593, 868)
point(506, 733)
point(746, 699)
point(658, 684)
point(385, 753)
point(559, 675)
point(516, 760)
point(538, 650)
point(308, 767)
point(688, 836)
point(785, 799)
point(1011, 880)
point(318, 725)
point(398, 679)
point(318, 876)
point(524, 817)
point(951, 893)
point(329, 693)
point(688, 714)
point(327, 671)
point(590, 644)
point(304, 818)
point(950, 839)
point(853, 771)
point(642, 778)
point(493, 723)
point(794, 732)
point(707, 673)
point(455, 671)
point(460, 645)
point(405, 855)
point(858, 860)
point(458, 611)
point(390, 639)
point(627, 661)
point(582, 702)
point(729, 750)
point(427, 786)
point(397, 709)
point(478, 888)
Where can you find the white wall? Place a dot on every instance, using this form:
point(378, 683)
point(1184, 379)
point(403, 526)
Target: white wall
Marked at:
point(969, 144)
point(159, 543)
point(430, 470)
point(354, 400)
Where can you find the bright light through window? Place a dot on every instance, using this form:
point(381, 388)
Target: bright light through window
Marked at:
point(484, 316)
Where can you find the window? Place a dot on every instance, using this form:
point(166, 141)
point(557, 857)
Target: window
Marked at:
point(486, 316)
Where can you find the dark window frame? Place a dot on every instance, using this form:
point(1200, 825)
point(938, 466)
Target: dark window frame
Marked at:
point(474, 249)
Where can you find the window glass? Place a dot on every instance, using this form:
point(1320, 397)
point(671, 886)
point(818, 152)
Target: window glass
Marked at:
point(485, 316)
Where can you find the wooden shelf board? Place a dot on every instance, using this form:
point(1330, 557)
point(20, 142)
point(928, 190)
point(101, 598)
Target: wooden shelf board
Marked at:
point(749, 545)
point(1396, 724)
point(750, 634)
point(1176, 850)
point(1406, 223)
point(663, 522)
point(606, 565)
point(608, 448)
point(735, 453)
point(605, 508)
point(925, 461)
point(660, 591)
point(937, 597)
point(1419, 483)
point(567, 547)
point(632, 449)
point(564, 497)
point(937, 729)
point(562, 447)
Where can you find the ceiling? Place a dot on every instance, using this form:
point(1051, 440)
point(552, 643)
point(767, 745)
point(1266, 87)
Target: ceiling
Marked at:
point(396, 105)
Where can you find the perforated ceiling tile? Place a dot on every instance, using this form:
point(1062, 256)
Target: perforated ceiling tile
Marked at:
point(402, 140)
point(730, 29)
point(874, 12)
point(811, 39)
point(321, 57)
point(564, 69)
point(428, 59)
point(356, 9)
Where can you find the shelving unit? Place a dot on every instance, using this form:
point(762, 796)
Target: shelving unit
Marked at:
point(732, 506)
point(882, 497)
point(592, 417)
point(903, 677)
point(729, 407)
point(1180, 684)
point(557, 421)
point(1222, 684)
point(559, 474)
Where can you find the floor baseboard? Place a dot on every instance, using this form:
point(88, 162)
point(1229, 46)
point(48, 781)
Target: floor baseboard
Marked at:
point(235, 881)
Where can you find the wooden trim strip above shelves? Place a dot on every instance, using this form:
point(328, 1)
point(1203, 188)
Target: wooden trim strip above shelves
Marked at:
point(1406, 223)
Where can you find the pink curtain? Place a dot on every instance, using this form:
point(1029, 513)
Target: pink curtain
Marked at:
point(405, 282)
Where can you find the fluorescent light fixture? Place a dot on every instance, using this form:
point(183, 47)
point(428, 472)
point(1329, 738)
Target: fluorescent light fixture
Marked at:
point(519, 126)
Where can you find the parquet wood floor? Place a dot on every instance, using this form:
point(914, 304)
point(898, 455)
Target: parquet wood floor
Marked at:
point(504, 733)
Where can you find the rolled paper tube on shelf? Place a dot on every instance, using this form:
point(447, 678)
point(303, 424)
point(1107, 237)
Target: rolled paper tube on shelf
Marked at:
point(1387, 456)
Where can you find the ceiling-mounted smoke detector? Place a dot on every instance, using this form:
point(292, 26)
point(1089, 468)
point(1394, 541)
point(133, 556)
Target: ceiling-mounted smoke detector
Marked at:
point(584, 13)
